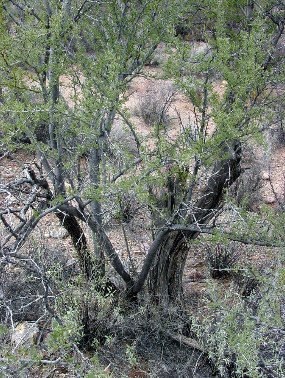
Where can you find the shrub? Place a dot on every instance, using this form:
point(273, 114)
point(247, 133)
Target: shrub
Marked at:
point(246, 337)
point(154, 106)
point(23, 288)
point(67, 311)
point(246, 281)
point(121, 141)
point(129, 207)
point(221, 259)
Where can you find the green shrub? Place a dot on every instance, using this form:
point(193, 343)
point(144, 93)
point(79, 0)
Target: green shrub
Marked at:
point(221, 259)
point(246, 338)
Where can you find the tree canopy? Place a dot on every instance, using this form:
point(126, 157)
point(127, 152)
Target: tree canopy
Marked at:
point(66, 68)
point(98, 49)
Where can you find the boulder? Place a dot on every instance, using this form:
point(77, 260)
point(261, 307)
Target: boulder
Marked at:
point(25, 334)
point(58, 233)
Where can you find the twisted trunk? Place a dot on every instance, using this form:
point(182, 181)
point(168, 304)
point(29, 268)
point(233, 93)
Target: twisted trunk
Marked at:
point(165, 276)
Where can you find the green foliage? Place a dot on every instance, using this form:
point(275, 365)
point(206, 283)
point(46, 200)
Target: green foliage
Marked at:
point(130, 353)
point(62, 334)
point(3, 329)
point(244, 338)
point(65, 74)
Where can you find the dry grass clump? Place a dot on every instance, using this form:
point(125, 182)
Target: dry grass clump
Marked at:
point(154, 106)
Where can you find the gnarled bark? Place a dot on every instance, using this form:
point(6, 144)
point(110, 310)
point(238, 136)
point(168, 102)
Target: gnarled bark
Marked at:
point(71, 224)
point(165, 276)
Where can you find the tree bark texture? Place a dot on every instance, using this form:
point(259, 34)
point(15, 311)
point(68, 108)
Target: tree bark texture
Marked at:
point(86, 262)
point(165, 277)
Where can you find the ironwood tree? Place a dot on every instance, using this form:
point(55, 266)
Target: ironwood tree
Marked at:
point(65, 71)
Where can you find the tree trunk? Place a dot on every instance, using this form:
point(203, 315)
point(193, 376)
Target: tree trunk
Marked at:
point(86, 262)
point(165, 276)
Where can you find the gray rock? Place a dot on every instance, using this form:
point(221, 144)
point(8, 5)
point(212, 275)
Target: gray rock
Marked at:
point(24, 334)
point(58, 233)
